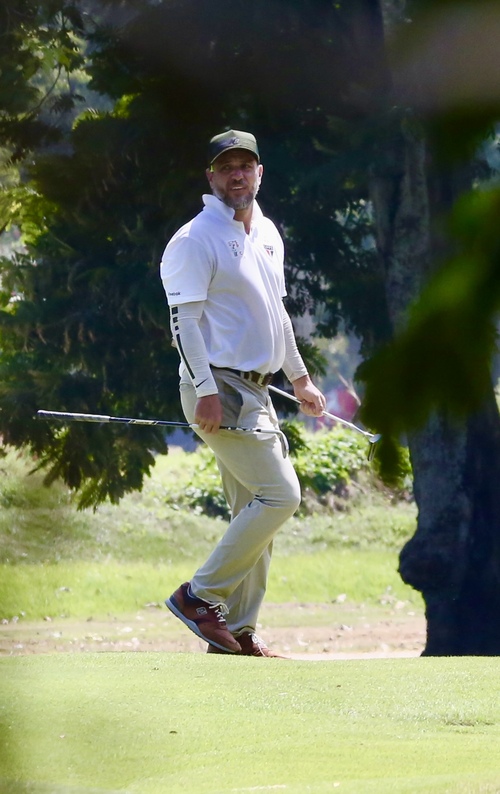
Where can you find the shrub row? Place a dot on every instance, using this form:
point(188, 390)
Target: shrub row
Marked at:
point(327, 463)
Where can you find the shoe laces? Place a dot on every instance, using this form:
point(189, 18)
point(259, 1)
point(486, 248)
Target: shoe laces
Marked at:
point(258, 640)
point(220, 610)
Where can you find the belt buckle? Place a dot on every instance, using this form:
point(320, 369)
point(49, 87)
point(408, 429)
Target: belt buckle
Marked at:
point(257, 377)
point(264, 380)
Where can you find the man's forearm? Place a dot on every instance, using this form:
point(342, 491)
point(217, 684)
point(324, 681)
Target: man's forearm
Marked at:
point(293, 365)
point(184, 322)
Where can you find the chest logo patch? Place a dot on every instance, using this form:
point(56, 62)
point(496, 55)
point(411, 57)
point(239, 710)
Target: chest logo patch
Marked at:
point(235, 247)
point(269, 249)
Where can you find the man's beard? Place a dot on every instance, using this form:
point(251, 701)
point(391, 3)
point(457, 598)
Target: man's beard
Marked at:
point(234, 202)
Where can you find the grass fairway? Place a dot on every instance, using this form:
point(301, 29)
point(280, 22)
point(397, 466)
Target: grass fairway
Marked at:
point(80, 589)
point(150, 723)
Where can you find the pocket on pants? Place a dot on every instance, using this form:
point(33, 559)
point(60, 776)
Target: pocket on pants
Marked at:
point(232, 403)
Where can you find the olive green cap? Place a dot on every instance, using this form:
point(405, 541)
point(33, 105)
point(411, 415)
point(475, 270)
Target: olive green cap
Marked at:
point(232, 139)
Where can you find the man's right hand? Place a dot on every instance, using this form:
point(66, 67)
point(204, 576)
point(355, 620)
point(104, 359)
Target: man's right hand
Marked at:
point(208, 413)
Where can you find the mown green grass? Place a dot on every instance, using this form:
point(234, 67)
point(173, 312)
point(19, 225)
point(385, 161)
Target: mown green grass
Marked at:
point(161, 723)
point(39, 524)
point(151, 723)
point(42, 525)
point(82, 589)
point(55, 560)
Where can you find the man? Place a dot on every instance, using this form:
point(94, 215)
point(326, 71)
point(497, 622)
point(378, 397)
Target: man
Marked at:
point(224, 279)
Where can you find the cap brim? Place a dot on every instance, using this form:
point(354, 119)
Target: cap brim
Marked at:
point(235, 148)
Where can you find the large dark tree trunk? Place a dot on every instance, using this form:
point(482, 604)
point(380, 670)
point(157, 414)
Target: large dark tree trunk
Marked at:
point(454, 556)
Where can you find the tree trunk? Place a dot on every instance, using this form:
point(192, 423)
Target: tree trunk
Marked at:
point(454, 556)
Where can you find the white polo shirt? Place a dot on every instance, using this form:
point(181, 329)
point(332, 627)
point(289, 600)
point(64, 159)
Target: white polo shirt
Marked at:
point(240, 278)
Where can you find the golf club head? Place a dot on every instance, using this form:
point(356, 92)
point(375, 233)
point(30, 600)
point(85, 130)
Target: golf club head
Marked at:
point(372, 448)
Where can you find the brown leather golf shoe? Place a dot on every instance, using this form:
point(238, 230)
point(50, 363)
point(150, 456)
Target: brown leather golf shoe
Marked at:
point(251, 645)
point(206, 620)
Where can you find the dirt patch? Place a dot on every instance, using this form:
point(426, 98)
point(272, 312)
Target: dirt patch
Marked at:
point(301, 631)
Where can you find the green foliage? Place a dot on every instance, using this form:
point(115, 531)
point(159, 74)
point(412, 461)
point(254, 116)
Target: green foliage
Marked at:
point(294, 431)
point(441, 361)
point(330, 461)
point(327, 463)
point(204, 493)
point(40, 49)
point(84, 325)
point(56, 560)
point(40, 524)
point(443, 357)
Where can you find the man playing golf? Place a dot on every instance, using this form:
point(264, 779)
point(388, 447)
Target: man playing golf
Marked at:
point(223, 275)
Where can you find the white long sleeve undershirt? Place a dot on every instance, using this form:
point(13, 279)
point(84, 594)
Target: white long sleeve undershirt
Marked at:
point(293, 366)
point(184, 323)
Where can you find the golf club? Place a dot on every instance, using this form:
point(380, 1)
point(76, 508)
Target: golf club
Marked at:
point(63, 416)
point(372, 437)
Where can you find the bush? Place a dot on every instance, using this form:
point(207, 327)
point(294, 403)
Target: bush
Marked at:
point(205, 493)
point(330, 461)
point(326, 463)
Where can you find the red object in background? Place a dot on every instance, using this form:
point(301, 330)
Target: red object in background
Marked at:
point(340, 402)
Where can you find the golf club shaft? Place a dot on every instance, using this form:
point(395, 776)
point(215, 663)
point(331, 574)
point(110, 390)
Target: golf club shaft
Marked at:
point(104, 419)
point(370, 436)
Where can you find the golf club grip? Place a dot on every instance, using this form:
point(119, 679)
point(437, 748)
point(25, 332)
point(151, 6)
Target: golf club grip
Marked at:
point(73, 417)
point(103, 418)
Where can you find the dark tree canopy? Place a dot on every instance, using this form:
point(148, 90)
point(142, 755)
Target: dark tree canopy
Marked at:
point(84, 326)
point(39, 49)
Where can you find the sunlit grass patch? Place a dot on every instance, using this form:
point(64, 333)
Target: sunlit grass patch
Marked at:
point(83, 589)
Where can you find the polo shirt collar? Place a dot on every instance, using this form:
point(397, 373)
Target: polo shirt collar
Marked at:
point(213, 204)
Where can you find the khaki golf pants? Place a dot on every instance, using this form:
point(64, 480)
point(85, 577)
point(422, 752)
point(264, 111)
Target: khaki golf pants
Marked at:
point(262, 490)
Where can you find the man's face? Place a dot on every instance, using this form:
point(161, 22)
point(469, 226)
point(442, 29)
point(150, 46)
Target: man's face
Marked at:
point(235, 178)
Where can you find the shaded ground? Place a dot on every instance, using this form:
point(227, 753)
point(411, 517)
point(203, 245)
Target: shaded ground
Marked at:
point(305, 631)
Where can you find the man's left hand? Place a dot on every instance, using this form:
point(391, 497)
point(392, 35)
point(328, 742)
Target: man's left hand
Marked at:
point(312, 401)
